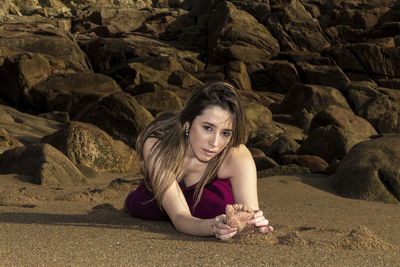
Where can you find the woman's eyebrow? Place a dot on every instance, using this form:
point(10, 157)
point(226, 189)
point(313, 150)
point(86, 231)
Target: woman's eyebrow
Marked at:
point(213, 125)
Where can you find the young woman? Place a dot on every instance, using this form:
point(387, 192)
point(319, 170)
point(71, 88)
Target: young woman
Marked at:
point(195, 163)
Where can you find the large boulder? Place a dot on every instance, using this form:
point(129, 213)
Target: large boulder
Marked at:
point(27, 128)
point(343, 118)
point(118, 20)
point(120, 115)
point(160, 100)
point(303, 101)
point(236, 35)
point(8, 141)
point(86, 145)
point(295, 28)
point(70, 92)
point(334, 131)
point(274, 75)
point(52, 44)
point(371, 170)
point(330, 142)
point(45, 164)
point(380, 106)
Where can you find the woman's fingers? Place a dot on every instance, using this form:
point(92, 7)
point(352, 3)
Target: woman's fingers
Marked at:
point(221, 230)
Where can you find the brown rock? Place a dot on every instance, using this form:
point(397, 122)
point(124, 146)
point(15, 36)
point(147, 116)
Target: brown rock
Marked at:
point(120, 115)
point(7, 141)
point(380, 106)
point(330, 142)
point(236, 35)
point(274, 75)
point(343, 118)
point(312, 98)
point(71, 92)
point(160, 100)
point(86, 145)
point(370, 170)
point(264, 162)
point(45, 164)
point(314, 163)
point(236, 73)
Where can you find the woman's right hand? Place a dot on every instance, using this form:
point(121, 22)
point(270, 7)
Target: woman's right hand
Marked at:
point(220, 229)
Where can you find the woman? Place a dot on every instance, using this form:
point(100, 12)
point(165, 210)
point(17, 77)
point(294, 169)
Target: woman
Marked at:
point(195, 163)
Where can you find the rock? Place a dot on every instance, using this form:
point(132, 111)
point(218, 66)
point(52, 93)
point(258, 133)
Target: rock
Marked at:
point(183, 79)
point(27, 128)
point(343, 118)
point(370, 170)
point(295, 28)
point(314, 163)
point(236, 73)
point(264, 162)
point(70, 92)
point(45, 164)
point(380, 106)
point(7, 141)
point(236, 35)
point(160, 100)
point(57, 46)
point(86, 145)
point(330, 142)
point(120, 115)
point(282, 145)
point(331, 76)
point(311, 99)
point(274, 75)
point(123, 20)
point(259, 120)
point(378, 60)
point(283, 170)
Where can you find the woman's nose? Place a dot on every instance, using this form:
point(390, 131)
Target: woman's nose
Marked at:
point(213, 141)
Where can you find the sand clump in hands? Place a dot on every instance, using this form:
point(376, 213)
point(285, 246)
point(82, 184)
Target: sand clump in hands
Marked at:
point(237, 215)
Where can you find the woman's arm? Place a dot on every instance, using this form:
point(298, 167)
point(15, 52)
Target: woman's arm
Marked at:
point(175, 205)
point(240, 167)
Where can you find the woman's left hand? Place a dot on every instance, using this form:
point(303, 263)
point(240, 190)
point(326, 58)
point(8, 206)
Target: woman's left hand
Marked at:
point(260, 222)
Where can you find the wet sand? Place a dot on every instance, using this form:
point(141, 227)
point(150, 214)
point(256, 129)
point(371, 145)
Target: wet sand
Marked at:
point(86, 226)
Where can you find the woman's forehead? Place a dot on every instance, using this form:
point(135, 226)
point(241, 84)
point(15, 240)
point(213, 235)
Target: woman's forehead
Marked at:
point(217, 116)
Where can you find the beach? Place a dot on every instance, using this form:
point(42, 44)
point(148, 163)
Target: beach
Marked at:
point(86, 226)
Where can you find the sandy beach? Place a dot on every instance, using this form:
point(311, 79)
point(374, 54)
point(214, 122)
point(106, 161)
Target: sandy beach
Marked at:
point(86, 226)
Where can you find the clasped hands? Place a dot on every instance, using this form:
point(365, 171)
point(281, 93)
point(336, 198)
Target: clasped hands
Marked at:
point(227, 225)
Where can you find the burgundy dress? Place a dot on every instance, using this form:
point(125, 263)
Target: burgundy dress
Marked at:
point(216, 195)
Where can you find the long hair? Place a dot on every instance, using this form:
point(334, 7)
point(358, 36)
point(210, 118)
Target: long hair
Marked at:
point(165, 159)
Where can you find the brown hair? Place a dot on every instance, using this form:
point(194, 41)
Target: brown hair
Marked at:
point(167, 154)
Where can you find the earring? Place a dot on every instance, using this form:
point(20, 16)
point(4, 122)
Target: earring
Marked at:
point(187, 128)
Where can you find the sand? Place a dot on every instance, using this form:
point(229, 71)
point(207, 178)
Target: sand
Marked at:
point(85, 226)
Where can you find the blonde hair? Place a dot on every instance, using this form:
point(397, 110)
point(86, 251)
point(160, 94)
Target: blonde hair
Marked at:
point(165, 159)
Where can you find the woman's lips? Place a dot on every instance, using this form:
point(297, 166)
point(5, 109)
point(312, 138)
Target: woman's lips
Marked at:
point(209, 152)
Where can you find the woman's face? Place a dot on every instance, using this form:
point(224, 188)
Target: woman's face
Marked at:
point(209, 134)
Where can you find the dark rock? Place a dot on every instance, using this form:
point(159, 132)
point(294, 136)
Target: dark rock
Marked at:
point(86, 145)
point(314, 163)
point(370, 170)
point(120, 115)
point(45, 164)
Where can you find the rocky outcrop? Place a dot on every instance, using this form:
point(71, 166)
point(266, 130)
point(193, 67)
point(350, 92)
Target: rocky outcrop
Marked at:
point(122, 117)
point(370, 170)
point(8, 141)
point(43, 163)
point(88, 146)
point(317, 77)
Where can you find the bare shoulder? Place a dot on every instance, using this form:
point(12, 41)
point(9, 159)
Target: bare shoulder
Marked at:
point(237, 161)
point(148, 144)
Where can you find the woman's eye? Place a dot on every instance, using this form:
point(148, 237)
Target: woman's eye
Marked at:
point(226, 134)
point(207, 128)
